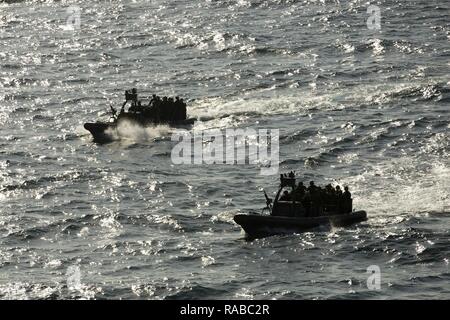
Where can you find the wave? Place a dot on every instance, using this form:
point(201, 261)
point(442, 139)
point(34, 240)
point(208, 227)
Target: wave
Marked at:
point(68, 176)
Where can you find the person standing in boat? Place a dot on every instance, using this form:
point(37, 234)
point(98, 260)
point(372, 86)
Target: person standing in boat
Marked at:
point(301, 187)
point(339, 202)
point(134, 97)
point(130, 96)
point(157, 109)
point(347, 199)
point(150, 111)
point(127, 98)
point(327, 197)
point(312, 187)
point(299, 192)
point(315, 201)
point(163, 108)
point(178, 107)
point(152, 100)
point(183, 112)
point(171, 109)
point(306, 202)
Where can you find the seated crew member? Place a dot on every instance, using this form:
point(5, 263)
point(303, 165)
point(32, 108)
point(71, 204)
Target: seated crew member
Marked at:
point(136, 107)
point(286, 196)
point(299, 192)
point(139, 107)
point(312, 186)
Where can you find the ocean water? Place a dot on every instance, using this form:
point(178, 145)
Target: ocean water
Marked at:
point(354, 105)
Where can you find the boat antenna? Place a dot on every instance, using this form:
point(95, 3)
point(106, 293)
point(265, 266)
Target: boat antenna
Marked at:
point(268, 201)
point(113, 111)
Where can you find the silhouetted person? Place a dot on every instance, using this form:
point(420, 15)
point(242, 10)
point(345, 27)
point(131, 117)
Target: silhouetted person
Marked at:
point(312, 186)
point(163, 109)
point(301, 187)
point(300, 191)
point(328, 197)
point(170, 109)
point(178, 114)
point(139, 107)
point(338, 191)
point(347, 199)
point(131, 96)
point(152, 100)
point(306, 202)
point(128, 96)
point(319, 196)
point(156, 109)
point(315, 200)
point(338, 197)
point(183, 110)
point(286, 196)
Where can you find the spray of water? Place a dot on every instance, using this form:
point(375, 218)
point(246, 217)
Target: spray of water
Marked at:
point(127, 130)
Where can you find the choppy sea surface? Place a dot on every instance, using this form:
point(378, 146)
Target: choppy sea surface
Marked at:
point(354, 105)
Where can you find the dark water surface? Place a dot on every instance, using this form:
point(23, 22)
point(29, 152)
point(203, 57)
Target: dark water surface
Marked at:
point(368, 108)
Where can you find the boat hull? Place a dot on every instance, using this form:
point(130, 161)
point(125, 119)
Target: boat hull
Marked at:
point(102, 132)
point(259, 226)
